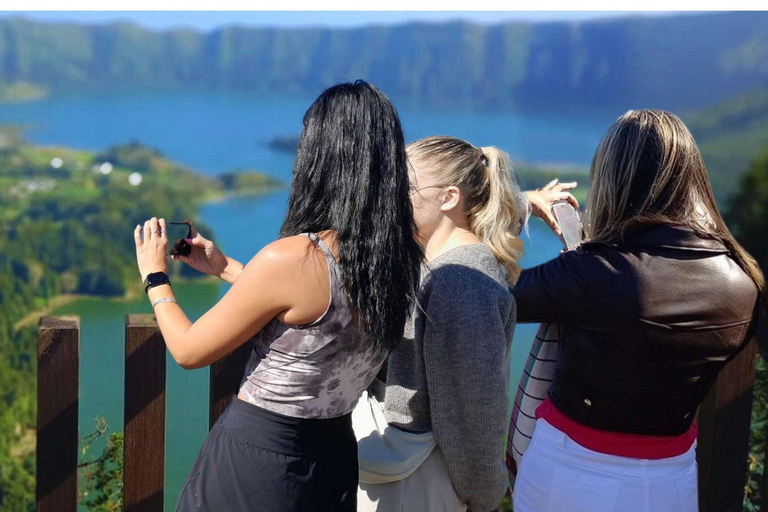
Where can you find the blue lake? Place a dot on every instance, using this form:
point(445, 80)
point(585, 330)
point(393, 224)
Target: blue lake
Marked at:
point(215, 132)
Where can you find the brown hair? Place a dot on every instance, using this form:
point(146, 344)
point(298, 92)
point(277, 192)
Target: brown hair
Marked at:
point(648, 170)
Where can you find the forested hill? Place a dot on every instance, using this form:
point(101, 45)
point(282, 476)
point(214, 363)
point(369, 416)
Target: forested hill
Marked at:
point(670, 62)
point(731, 134)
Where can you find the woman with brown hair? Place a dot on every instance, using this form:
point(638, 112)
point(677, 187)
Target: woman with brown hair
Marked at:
point(651, 306)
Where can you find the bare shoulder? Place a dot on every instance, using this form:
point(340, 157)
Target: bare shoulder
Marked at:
point(291, 249)
point(295, 272)
point(289, 258)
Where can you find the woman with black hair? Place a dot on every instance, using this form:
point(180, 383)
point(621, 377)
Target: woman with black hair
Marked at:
point(322, 307)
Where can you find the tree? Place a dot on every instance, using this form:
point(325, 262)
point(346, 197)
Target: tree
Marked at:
point(101, 479)
point(747, 217)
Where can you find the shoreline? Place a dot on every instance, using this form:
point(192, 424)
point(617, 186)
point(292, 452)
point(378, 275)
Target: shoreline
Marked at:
point(23, 92)
point(217, 197)
point(132, 291)
point(130, 294)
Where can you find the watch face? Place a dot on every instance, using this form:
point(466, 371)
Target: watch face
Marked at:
point(157, 277)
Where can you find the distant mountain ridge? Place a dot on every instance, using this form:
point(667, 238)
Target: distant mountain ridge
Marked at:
point(673, 62)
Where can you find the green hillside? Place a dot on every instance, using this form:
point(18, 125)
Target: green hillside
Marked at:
point(66, 222)
point(659, 61)
point(21, 91)
point(58, 205)
point(731, 134)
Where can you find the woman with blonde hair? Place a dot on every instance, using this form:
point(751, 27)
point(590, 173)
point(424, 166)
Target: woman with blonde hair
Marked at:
point(652, 305)
point(439, 444)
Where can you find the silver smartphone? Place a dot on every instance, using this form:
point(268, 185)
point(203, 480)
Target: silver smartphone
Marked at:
point(570, 224)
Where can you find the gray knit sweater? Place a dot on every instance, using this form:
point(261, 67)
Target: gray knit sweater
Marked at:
point(449, 375)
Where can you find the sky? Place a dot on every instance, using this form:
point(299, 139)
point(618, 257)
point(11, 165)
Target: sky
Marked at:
point(161, 20)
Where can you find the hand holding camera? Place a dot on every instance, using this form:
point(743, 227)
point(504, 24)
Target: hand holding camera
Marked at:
point(202, 254)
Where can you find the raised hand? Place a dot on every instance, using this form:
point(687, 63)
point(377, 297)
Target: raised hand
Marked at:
point(204, 256)
point(152, 247)
point(543, 198)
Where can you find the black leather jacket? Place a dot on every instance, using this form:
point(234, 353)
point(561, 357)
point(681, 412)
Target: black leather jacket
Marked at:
point(646, 326)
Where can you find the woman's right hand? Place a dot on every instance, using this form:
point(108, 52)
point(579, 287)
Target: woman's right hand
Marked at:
point(205, 257)
point(542, 199)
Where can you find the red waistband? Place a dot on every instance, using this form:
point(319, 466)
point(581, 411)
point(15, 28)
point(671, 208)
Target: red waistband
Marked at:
point(636, 446)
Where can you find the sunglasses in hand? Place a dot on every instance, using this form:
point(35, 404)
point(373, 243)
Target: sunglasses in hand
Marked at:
point(181, 247)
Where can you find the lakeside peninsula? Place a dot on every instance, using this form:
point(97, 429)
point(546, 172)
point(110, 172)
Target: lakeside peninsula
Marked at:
point(58, 207)
point(66, 222)
point(21, 91)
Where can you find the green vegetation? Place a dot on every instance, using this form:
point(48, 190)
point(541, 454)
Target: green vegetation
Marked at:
point(21, 91)
point(66, 222)
point(757, 483)
point(244, 181)
point(60, 205)
point(18, 406)
point(730, 136)
point(748, 212)
point(746, 218)
point(101, 478)
point(670, 62)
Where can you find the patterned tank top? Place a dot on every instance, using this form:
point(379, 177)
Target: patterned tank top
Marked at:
point(316, 370)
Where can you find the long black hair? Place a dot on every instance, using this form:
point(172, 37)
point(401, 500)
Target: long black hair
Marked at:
point(351, 177)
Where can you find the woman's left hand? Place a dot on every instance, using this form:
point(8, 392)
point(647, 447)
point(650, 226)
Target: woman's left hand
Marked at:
point(152, 251)
point(542, 199)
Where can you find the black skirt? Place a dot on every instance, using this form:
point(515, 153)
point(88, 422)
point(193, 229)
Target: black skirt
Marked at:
point(257, 460)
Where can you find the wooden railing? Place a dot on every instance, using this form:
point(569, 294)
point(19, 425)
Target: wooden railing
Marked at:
point(723, 418)
point(144, 418)
point(723, 443)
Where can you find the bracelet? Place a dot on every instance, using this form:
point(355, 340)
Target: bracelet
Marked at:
point(158, 301)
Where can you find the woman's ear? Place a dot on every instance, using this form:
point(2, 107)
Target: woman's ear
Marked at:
point(450, 198)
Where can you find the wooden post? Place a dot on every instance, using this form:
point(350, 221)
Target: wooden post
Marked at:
point(58, 380)
point(226, 374)
point(144, 415)
point(723, 443)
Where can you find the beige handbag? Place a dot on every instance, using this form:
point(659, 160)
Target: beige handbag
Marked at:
point(399, 471)
point(386, 454)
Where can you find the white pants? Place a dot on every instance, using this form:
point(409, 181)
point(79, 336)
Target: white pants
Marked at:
point(559, 475)
point(428, 489)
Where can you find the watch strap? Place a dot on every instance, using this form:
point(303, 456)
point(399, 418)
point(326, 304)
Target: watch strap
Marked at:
point(156, 279)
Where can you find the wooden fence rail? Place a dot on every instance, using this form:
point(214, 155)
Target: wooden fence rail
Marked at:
point(58, 366)
point(144, 417)
point(723, 418)
point(723, 443)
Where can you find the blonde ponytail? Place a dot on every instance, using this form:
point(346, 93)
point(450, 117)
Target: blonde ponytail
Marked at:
point(495, 207)
point(496, 220)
